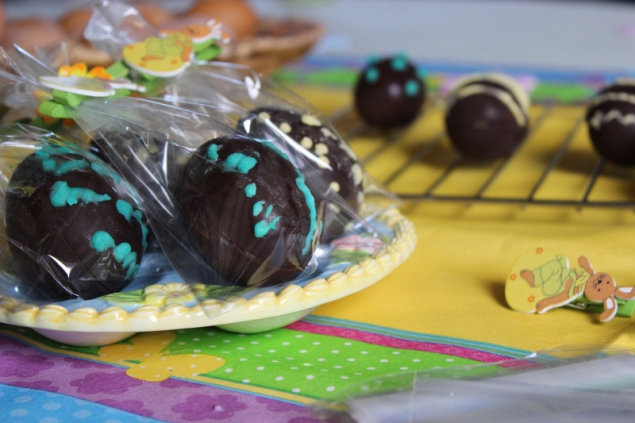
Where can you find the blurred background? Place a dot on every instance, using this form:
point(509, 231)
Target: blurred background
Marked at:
point(591, 36)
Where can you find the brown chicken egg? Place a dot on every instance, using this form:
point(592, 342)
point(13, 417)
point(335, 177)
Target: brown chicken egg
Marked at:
point(181, 22)
point(154, 14)
point(237, 16)
point(32, 32)
point(3, 19)
point(75, 22)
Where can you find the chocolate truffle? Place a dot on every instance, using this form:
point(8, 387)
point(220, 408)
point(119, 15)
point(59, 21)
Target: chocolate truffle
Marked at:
point(248, 212)
point(389, 93)
point(611, 122)
point(74, 231)
point(336, 163)
point(487, 116)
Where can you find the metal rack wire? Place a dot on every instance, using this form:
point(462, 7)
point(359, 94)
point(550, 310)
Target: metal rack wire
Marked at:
point(427, 148)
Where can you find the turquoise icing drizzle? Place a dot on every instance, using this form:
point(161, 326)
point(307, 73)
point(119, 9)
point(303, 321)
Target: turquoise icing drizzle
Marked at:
point(373, 58)
point(276, 149)
point(310, 202)
point(144, 229)
point(51, 165)
point(258, 208)
point(49, 150)
point(263, 227)
point(239, 162)
point(102, 241)
point(212, 152)
point(268, 212)
point(411, 88)
point(250, 190)
point(103, 170)
point(372, 75)
point(62, 194)
point(126, 210)
point(308, 196)
point(399, 63)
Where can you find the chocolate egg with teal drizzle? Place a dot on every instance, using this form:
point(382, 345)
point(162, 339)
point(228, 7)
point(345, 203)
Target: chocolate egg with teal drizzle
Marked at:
point(389, 93)
point(248, 212)
point(73, 226)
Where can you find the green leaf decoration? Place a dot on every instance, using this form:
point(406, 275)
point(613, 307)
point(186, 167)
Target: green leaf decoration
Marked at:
point(346, 256)
point(131, 297)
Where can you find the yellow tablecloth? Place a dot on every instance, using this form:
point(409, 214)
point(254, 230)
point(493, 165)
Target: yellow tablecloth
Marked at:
point(453, 284)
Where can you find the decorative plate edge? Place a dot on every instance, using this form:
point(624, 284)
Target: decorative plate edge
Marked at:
point(291, 299)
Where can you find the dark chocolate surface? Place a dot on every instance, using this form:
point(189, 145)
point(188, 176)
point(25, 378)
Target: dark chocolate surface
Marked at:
point(337, 164)
point(248, 212)
point(389, 93)
point(481, 126)
point(611, 124)
point(55, 205)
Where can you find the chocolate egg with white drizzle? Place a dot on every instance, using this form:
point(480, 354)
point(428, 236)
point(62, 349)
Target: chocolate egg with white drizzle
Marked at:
point(487, 115)
point(74, 229)
point(335, 163)
point(248, 212)
point(610, 120)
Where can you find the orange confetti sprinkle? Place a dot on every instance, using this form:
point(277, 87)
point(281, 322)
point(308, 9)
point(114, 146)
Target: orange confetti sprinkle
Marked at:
point(531, 299)
point(513, 277)
point(539, 250)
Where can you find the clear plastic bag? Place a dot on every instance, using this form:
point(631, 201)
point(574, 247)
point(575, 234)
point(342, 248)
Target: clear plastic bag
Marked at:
point(259, 108)
point(273, 220)
point(581, 384)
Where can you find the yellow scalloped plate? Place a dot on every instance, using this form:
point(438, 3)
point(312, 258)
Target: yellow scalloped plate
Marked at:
point(115, 323)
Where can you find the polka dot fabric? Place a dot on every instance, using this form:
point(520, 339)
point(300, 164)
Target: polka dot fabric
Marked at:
point(267, 377)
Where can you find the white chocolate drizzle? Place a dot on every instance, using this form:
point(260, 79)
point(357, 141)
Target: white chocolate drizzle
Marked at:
point(502, 95)
point(612, 96)
point(599, 118)
point(285, 127)
point(306, 142)
point(311, 120)
point(321, 149)
point(501, 79)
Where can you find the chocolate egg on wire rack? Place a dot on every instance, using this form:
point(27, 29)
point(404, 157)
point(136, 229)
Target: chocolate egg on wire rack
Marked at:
point(611, 122)
point(487, 115)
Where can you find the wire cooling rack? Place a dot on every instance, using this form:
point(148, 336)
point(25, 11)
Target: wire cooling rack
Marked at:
point(355, 131)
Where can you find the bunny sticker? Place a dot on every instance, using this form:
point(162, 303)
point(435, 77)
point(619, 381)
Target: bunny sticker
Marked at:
point(539, 281)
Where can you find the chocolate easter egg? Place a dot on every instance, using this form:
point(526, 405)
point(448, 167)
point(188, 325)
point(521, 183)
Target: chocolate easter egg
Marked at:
point(248, 211)
point(487, 116)
point(74, 231)
point(611, 122)
point(389, 93)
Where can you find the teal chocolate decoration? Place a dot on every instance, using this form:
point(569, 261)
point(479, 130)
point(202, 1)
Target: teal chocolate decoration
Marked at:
point(102, 241)
point(225, 219)
point(212, 152)
point(250, 190)
point(258, 208)
point(389, 93)
point(52, 218)
point(63, 195)
point(239, 162)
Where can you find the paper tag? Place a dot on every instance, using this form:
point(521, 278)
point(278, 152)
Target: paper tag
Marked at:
point(540, 281)
point(78, 85)
point(161, 57)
